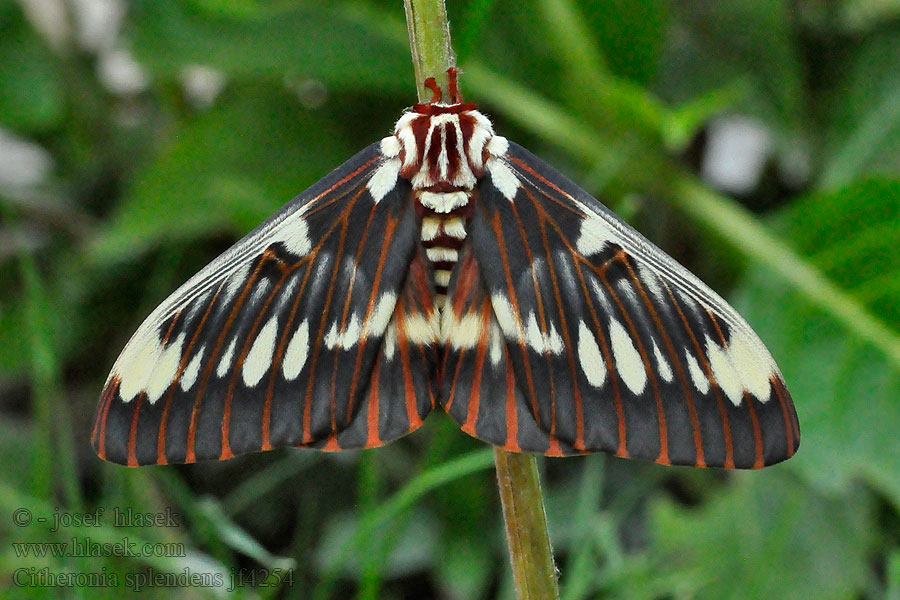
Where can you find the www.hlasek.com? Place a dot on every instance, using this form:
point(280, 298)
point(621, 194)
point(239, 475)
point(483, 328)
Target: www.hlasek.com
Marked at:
point(86, 547)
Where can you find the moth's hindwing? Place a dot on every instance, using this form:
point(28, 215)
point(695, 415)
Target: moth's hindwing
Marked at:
point(608, 343)
point(279, 341)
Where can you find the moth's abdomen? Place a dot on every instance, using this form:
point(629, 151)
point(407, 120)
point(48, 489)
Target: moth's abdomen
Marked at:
point(442, 231)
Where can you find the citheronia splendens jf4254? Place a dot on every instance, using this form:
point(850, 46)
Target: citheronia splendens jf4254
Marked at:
point(446, 266)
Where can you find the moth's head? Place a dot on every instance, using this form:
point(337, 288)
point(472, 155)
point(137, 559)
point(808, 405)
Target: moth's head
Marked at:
point(443, 142)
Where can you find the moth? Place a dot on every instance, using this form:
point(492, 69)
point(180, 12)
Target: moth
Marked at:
point(446, 266)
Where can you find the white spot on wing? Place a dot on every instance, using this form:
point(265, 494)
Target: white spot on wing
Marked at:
point(296, 353)
point(225, 363)
point(665, 370)
point(506, 317)
point(540, 341)
point(165, 370)
point(462, 333)
point(380, 316)
point(420, 330)
point(384, 179)
point(259, 358)
point(495, 347)
point(346, 338)
point(136, 363)
point(192, 371)
point(595, 234)
point(697, 374)
point(755, 366)
point(294, 234)
point(628, 361)
point(592, 363)
point(503, 177)
point(724, 372)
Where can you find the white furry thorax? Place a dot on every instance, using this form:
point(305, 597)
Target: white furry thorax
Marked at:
point(446, 147)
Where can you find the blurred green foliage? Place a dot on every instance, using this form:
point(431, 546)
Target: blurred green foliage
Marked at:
point(149, 183)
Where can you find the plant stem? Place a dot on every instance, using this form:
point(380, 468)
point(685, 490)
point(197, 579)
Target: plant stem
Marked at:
point(534, 573)
point(429, 42)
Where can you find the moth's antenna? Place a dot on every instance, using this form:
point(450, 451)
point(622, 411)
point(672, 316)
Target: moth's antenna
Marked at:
point(436, 94)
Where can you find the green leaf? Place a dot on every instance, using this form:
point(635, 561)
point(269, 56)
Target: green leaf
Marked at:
point(226, 170)
point(768, 536)
point(845, 390)
point(340, 47)
point(864, 123)
point(720, 42)
point(31, 95)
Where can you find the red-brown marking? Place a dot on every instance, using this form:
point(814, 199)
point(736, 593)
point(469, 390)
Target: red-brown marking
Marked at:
point(607, 358)
point(475, 396)
point(373, 438)
point(700, 460)
point(789, 429)
point(161, 434)
point(106, 400)
point(512, 422)
point(412, 411)
point(513, 299)
point(226, 452)
point(132, 433)
point(723, 414)
point(390, 226)
point(663, 457)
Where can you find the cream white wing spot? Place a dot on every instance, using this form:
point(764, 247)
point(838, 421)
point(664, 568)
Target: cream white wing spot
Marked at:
point(595, 234)
point(756, 368)
point(507, 318)
point(296, 353)
point(724, 372)
point(384, 179)
point(698, 377)
point(343, 338)
point(293, 232)
point(628, 361)
point(495, 345)
point(664, 369)
point(192, 371)
point(136, 363)
point(163, 374)
point(259, 358)
point(592, 364)
point(542, 341)
point(227, 358)
point(381, 314)
point(503, 177)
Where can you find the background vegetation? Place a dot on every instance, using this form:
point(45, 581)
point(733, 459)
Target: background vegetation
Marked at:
point(139, 140)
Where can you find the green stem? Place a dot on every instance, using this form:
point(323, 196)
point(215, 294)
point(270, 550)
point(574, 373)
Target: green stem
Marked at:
point(534, 573)
point(429, 42)
point(530, 555)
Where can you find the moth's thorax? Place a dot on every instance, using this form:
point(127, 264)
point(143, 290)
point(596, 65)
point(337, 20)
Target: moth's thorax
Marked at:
point(442, 149)
point(443, 146)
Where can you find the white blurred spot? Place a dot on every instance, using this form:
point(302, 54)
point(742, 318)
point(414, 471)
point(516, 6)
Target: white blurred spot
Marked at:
point(736, 153)
point(98, 23)
point(120, 73)
point(22, 163)
point(202, 85)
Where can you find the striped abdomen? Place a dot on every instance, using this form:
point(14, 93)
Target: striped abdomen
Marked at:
point(442, 230)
